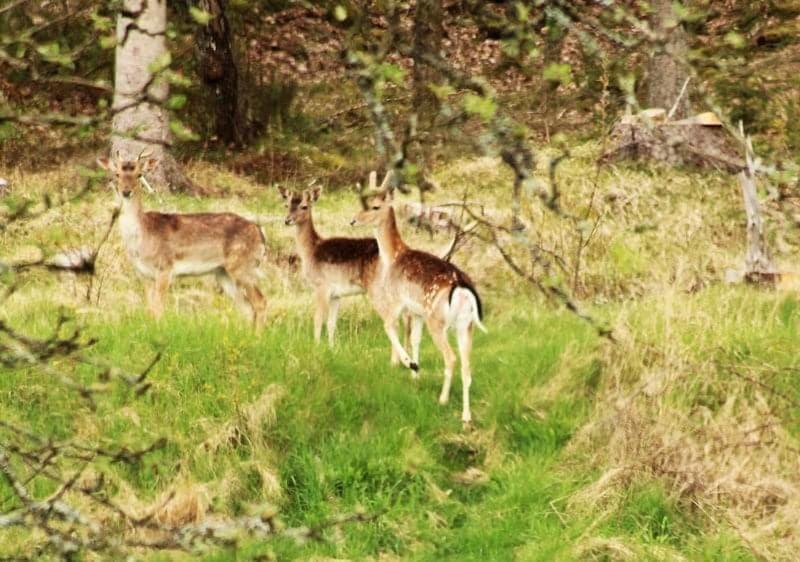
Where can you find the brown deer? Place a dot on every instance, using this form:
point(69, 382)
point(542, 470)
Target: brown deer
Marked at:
point(165, 245)
point(429, 288)
point(335, 267)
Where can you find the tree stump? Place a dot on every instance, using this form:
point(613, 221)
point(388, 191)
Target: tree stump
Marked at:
point(698, 141)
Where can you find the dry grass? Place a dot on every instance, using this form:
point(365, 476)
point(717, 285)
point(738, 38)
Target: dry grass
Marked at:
point(674, 411)
point(667, 410)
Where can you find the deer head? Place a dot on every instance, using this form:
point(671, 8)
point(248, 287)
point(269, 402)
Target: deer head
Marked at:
point(128, 173)
point(375, 202)
point(298, 204)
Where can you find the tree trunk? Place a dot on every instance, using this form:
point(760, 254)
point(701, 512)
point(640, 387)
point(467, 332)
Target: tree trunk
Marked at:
point(218, 71)
point(140, 121)
point(666, 77)
point(428, 31)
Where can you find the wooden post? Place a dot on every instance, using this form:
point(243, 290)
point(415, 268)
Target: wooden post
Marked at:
point(758, 265)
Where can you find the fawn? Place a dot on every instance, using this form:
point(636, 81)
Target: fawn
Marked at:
point(429, 288)
point(165, 245)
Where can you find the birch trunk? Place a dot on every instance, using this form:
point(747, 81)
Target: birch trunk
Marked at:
point(140, 121)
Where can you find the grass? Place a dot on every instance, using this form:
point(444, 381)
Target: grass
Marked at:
point(677, 442)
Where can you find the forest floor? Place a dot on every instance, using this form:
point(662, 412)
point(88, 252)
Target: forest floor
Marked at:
point(677, 441)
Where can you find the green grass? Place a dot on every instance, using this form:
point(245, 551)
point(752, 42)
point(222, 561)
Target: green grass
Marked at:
point(351, 432)
point(277, 422)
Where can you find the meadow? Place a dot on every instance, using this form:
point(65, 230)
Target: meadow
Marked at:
point(675, 441)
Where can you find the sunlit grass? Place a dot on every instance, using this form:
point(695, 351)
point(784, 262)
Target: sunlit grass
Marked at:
point(582, 449)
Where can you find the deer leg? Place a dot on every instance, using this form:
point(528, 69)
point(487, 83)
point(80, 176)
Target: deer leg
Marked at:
point(233, 288)
point(150, 295)
point(415, 330)
point(406, 322)
point(464, 335)
point(254, 303)
point(438, 329)
point(390, 325)
point(258, 304)
point(320, 312)
point(333, 312)
point(160, 286)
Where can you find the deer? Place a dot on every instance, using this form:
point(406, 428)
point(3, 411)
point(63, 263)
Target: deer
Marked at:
point(427, 287)
point(163, 246)
point(335, 267)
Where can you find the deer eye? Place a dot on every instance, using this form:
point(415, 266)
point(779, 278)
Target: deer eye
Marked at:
point(304, 207)
point(376, 208)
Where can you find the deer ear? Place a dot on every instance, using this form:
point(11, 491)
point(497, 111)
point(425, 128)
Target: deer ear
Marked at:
point(284, 192)
point(104, 163)
point(149, 165)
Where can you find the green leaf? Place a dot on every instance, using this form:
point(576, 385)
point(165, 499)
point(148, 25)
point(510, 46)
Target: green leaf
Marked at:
point(182, 132)
point(101, 23)
point(176, 101)
point(177, 79)
point(685, 13)
point(160, 64)
point(51, 52)
point(391, 73)
point(557, 72)
point(200, 16)
point(340, 13)
point(735, 40)
point(442, 91)
point(485, 108)
point(108, 42)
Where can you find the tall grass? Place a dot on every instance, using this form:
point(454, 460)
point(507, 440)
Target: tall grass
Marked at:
point(677, 442)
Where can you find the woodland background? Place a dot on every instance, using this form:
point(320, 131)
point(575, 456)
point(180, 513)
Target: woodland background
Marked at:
point(636, 397)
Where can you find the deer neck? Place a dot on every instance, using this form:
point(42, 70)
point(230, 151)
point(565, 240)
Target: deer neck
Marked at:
point(130, 221)
point(390, 244)
point(307, 238)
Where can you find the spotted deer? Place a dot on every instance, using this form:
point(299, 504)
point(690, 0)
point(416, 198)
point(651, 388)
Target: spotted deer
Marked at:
point(163, 246)
point(335, 267)
point(432, 290)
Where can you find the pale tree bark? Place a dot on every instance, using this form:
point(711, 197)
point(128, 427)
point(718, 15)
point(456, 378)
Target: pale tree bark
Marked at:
point(218, 70)
point(141, 122)
point(758, 264)
point(428, 32)
point(665, 76)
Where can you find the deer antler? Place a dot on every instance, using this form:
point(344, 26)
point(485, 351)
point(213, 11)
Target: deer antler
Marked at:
point(146, 151)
